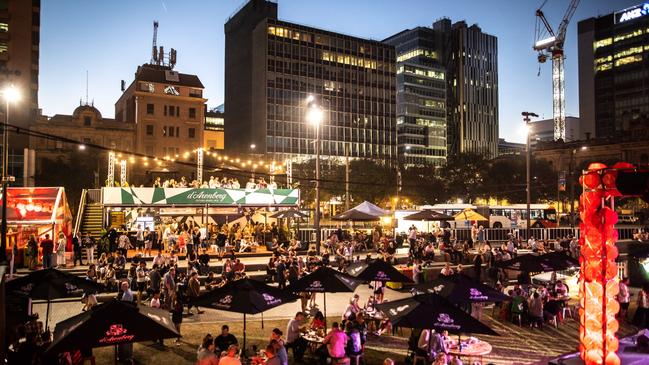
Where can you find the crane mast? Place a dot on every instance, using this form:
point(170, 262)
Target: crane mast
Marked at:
point(550, 44)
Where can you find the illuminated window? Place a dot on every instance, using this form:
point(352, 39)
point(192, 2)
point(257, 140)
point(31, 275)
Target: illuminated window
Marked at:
point(416, 52)
point(4, 27)
point(622, 37)
point(420, 71)
point(603, 59)
point(627, 60)
point(628, 52)
point(348, 60)
point(604, 67)
point(602, 43)
point(3, 48)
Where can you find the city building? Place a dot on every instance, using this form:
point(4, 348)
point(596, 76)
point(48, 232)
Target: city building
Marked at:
point(168, 110)
point(510, 148)
point(471, 60)
point(613, 69)
point(213, 134)
point(421, 98)
point(543, 130)
point(85, 125)
point(465, 59)
point(273, 66)
point(19, 52)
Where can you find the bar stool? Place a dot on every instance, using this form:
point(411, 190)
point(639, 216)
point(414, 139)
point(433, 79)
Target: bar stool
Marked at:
point(356, 359)
point(566, 309)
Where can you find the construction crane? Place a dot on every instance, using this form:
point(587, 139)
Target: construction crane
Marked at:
point(550, 44)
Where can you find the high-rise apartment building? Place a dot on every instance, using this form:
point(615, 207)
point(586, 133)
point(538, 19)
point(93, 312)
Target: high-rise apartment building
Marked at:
point(271, 68)
point(613, 73)
point(471, 60)
point(421, 98)
point(19, 53)
point(447, 98)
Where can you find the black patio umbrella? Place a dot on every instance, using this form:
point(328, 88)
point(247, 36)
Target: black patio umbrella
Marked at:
point(244, 296)
point(552, 261)
point(428, 215)
point(460, 289)
point(431, 311)
point(48, 284)
point(376, 270)
point(110, 324)
point(355, 215)
point(325, 280)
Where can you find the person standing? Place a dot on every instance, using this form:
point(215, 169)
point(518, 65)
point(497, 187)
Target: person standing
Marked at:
point(641, 317)
point(60, 250)
point(293, 337)
point(89, 244)
point(176, 315)
point(47, 247)
point(12, 259)
point(32, 252)
point(624, 297)
point(76, 249)
point(139, 239)
point(477, 267)
point(169, 287)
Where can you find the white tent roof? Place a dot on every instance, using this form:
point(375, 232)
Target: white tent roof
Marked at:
point(369, 208)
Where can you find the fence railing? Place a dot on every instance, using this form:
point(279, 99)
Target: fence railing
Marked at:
point(94, 196)
point(80, 209)
point(496, 234)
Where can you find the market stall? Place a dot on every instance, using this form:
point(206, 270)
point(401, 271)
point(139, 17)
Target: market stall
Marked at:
point(37, 211)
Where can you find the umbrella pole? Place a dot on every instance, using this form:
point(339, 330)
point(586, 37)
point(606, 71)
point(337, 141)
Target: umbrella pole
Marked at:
point(324, 298)
point(243, 351)
point(262, 320)
point(47, 316)
point(115, 354)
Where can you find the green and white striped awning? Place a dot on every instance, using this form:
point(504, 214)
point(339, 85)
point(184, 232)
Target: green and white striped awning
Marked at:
point(200, 197)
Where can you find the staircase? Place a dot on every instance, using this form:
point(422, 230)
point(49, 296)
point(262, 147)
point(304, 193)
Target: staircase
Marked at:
point(89, 217)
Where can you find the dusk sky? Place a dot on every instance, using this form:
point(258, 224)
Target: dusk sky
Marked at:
point(110, 39)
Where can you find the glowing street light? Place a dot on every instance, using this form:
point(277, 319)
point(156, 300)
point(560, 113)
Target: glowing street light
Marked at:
point(11, 95)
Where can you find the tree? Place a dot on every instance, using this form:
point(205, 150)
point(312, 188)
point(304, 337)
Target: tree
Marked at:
point(75, 173)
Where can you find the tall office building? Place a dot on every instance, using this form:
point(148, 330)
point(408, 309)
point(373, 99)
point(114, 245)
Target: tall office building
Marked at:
point(447, 98)
point(613, 73)
point(421, 98)
point(272, 66)
point(471, 60)
point(19, 52)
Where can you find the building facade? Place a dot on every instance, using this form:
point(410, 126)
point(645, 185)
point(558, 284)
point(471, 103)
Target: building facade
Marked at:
point(543, 130)
point(168, 110)
point(471, 60)
point(213, 134)
point(613, 70)
point(421, 98)
point(19, 54)
point(449, 68)
point(273, 66)
point(510, 148)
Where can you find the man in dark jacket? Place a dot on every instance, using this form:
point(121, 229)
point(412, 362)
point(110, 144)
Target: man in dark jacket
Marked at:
point(76, 248)
point(47, 247)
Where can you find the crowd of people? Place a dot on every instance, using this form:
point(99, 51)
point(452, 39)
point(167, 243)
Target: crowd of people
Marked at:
point(163, 282)
point(215, 183)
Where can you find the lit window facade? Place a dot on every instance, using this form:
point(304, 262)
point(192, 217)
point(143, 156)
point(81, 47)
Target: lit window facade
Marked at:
point(612, 74)
point(352, 79)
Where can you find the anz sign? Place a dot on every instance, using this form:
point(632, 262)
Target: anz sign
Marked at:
point(631, 13)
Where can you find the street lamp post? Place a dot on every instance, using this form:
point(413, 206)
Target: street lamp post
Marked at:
point(10, 95)
point(571, 166)
point(526, 119)
point(314, 116)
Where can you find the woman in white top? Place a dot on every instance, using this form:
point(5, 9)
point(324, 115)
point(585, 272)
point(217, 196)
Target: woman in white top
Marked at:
point(60, 250)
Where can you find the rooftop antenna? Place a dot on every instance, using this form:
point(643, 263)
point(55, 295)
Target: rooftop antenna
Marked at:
point(154, 49)
point(86, 87)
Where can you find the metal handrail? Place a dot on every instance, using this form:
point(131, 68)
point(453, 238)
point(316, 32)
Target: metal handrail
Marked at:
point(82, 207)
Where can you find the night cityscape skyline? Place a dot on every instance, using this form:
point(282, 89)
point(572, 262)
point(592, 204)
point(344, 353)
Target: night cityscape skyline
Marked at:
point(201, 46)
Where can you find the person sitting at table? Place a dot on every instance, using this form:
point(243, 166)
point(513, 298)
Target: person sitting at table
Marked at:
point(561, 289)
point(447, 270)
point(429, 252)
point(455, 360)
point(333, 345)
point(225, 339)
point(293, 338)
point(430, 344)
point(318, 321)
point(440, 359)
point(353, 308)
point(379, 291)
point(417, 272)
point(354, 343)
point(361, 326)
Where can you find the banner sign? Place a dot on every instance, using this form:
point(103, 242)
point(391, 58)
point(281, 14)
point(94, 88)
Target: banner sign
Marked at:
point(191, 196)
